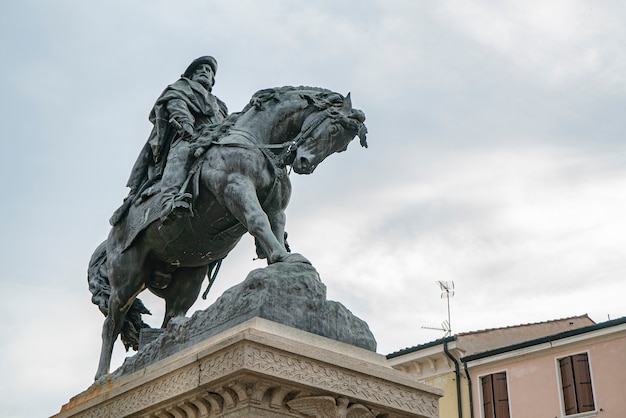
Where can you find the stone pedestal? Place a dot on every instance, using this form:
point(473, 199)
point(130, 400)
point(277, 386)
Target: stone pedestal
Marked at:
point(260, 368)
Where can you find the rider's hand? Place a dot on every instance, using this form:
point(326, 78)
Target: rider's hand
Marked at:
point(188, 129)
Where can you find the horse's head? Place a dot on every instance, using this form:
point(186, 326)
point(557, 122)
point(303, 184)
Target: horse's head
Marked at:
point(327, 132)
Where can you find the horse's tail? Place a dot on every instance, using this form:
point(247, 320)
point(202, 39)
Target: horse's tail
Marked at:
point(98, 279)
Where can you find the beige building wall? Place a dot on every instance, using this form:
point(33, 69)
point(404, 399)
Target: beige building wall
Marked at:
point(448, 406)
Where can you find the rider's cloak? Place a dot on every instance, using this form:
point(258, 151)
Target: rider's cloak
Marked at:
point(199, 107)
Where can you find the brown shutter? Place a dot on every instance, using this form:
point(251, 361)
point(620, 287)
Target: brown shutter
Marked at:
point(500, 395)
point(582, 377)
point(567, 386)
point(495, 396)
point(487, 387)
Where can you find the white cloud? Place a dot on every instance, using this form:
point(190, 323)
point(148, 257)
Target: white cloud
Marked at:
point(515, 225)
point(556, 42)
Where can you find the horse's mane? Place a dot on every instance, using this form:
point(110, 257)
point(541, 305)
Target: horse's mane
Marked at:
point(321, 98)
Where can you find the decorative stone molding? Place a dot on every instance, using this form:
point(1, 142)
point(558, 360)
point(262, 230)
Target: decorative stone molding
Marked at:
point(261, 369)
point(329, 407)
point(340, 381)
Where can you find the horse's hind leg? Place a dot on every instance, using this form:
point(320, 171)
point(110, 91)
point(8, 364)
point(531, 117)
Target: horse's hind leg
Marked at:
point(125, 286)
point(183, 291)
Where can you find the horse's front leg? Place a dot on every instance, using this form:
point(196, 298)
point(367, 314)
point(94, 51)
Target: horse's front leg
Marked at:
point(278, 220)
point(277, 223)
point(241, 200)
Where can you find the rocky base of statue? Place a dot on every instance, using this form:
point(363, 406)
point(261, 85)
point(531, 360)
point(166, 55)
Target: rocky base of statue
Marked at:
point(288, 293)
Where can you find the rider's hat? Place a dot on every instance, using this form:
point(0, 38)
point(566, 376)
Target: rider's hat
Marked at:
point(199, 61)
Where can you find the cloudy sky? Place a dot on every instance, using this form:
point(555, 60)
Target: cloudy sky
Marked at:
point(496, 160)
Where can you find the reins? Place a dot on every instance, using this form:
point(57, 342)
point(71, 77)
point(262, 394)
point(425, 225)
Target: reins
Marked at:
point(287, 146)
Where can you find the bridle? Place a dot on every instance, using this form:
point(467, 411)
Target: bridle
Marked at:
point(285, 158)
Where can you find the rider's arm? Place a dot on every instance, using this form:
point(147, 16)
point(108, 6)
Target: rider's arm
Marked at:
point(180, 117)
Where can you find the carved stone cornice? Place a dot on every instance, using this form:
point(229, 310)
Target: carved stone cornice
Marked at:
point(339, 380)
point(261, 368)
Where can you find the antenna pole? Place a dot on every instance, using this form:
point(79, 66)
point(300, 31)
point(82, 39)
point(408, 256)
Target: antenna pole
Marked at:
point(448, 288)
point(449, 323)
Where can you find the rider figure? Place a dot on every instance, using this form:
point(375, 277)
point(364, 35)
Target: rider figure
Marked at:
point(182, 111)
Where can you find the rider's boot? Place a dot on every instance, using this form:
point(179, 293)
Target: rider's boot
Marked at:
point(175, 201)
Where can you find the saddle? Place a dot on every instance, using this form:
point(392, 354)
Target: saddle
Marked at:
point(146, 206)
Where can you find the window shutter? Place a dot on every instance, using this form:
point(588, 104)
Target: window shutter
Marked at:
point(500, 395)
point(582, 375)
point(487, 387)
point(567, 386)
point(495, 396)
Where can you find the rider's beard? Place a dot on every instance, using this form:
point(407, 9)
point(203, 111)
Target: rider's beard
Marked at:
point(205, 81)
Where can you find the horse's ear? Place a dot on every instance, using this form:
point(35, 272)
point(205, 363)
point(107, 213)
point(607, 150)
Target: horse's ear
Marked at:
point(347, 103)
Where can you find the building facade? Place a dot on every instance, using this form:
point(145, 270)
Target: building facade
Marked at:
point(571, 367)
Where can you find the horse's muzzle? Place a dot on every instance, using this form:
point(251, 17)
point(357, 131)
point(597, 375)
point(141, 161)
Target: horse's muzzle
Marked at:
point(302, 165)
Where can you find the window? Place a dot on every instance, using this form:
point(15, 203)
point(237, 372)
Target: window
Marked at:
point(495, 396)
point(576, 384)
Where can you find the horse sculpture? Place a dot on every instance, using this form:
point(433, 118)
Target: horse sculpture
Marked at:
point(240, 183)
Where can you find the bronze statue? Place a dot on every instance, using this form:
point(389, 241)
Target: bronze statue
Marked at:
point(238, 182)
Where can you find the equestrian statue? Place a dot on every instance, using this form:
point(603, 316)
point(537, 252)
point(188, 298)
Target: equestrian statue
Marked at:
point(175, 229)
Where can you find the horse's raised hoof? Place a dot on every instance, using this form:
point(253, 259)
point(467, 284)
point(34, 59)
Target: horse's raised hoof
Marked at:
point(295, 258)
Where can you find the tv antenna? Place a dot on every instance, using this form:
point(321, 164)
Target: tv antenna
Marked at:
point(447, 291)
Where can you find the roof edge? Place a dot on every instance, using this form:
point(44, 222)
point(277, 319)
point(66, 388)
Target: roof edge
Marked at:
point(548, 338)
point(420, 347)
